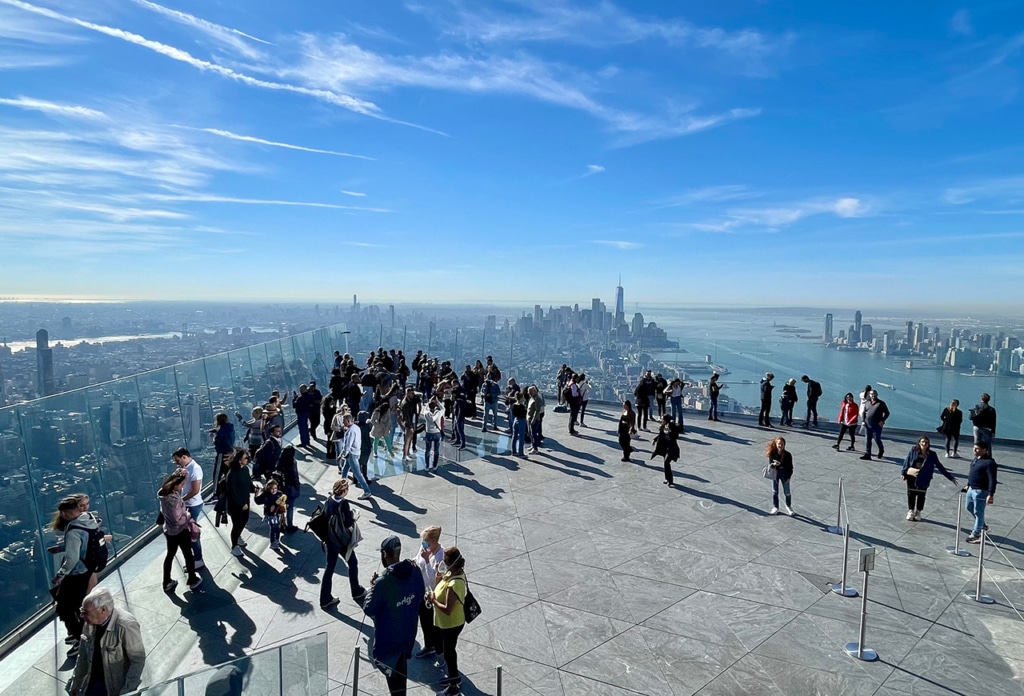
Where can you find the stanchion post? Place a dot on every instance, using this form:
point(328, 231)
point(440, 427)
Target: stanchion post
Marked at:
point(838, 527)
point(355, 672)
point(841, 588)
point(955, 548)
point(857, 650)
point(977, 596)
point(498, 670)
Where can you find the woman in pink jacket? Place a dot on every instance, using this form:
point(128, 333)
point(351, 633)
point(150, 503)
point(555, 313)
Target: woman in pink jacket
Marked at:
point(849, 410)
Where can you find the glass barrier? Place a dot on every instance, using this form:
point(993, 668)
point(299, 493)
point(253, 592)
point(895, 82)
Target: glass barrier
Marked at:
point(298, 667)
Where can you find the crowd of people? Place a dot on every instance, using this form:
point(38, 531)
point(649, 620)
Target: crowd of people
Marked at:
point(366, 410)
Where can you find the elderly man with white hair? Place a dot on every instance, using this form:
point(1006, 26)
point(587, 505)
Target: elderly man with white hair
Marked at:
point(112, 656)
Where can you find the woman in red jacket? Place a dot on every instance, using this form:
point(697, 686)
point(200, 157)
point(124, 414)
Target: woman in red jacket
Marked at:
point(848, 413)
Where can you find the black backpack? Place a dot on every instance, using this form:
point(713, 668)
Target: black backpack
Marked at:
point(318, 524)
point(337, 535)
point(97, 553)
point(815, 389)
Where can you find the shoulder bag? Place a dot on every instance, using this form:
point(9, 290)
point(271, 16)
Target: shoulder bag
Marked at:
point(470, 608)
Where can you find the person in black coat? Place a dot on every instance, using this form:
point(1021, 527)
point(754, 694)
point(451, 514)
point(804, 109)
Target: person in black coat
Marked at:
point(764, 417)
point(666, 444)
point(952, 418)
point(287, 473)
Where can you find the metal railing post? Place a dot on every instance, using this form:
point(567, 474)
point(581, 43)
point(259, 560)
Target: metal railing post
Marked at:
point(355, 672)
point(841, 587)
point(498, 690)
point(955, 548)
point(838, 527)
point(857, 649)
point(977, 596)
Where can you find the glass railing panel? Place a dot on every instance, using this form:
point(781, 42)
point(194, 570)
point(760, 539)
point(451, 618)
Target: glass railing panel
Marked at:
point(194, 403)
point(24, 579)
point(222, 387)
point(161, 417)
point(128, 476)
point(304, 666)
point(275, 373)
point(242, 381)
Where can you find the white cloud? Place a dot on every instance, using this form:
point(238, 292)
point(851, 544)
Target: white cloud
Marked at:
point(708, 194)
point(273, 143)
point(343, 100)
point(53, 108)
point(776, 217)
point(212, 198)
point(618, 244)
point(593, 169)
point(961, 23)
point(357, 194)
point(233, 38)
point(1007, 190)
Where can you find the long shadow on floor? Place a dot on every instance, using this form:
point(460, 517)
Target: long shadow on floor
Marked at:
point(209, 612)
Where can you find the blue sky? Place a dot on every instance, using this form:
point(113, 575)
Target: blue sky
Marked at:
point(458, 150)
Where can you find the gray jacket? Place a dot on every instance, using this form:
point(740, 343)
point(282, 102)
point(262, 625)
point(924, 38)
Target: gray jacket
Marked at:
point(123, 655)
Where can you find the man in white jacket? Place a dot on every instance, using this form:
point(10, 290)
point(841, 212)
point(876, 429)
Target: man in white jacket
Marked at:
point(349, 454)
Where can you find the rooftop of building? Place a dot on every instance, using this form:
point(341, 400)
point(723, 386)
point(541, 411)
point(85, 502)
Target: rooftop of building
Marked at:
point(596, 578)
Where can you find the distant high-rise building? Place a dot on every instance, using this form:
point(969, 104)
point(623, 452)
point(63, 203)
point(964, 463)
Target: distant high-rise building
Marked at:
point(910, 333)
point(3, 389)
point(391, 315)
point(538, 316)
point(857, 319)
point(44, 364)
point(866, 333)
point(638, 325)
point(620, 303)
point(826, 335)
point(490, 323)
point(67, 330)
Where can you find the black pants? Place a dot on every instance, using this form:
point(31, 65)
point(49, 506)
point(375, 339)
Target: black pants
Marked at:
point(643, 412)
point(668, 470)
point(661, 408)
point(764, 417)
point(574, 414)
point(431, 633)
point(955, 438)
point(70, 594)
point(625, 442)
point(843, 429)
point(583, 410)
point(182, 542)
point(915, 495)
point(449, 639)
point(397, 678)
point(239, 518)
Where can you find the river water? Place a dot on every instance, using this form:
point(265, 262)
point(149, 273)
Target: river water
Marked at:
point(749, 344)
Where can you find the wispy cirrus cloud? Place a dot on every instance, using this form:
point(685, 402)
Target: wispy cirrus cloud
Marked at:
point(773, 218)
point(232, 38)
point(707, 195)
point(213, 198)
point(273, 143)
point(960, 23)
point(620, 244)
point(357, 194)
point(1004, 190)
point(592, 169)
point(343, 100)
point(53, 108)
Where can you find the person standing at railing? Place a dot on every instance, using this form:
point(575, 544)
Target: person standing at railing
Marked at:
point(848, 414)
point(176, 529)
point(714, 388)
point(584, 386)
point(535, 415)
point(660, 395)
point(72, 578)
point(981, 488)
point(764, 416)
point(223, 442)
point(787, 402)
point(302, 404)
point(813, 394)
point(952, 418)
point(643, 393)
point(253, 430)
point(918, 469)
point(983, 417)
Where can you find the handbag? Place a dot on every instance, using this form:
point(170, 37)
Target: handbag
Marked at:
point(194, 530)
point(770, 473)
point(470, 607)
point(913, 471)
point(356, 537)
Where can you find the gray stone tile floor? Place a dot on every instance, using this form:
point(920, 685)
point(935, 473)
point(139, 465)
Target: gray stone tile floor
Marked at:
point(596, 578)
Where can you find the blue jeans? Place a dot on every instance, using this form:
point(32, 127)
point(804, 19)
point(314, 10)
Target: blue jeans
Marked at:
point(874, 432)
point(366, 399)
point(274, 522)
point(519, 437)
point(459, 431)
point(785, 489)
point(493, 410)
point(197, 548)
point(433, 441)
point(327, 583)
point(976, 501)
point(713, 413)
point(536, 432)
point(352, 462)
point(677, 409)
point(812, 413)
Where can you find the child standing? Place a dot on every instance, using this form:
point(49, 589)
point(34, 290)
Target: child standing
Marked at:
point(275, 506)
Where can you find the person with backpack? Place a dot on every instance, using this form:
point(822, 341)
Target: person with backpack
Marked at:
point(287, 474)
point(491, 392)
point(81, 559)
point(176, 529)
point(572, 398)
point(338, 512)
point(813, 394)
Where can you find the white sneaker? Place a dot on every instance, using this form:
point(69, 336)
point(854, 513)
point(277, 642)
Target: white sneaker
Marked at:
point(365, 496)
point(236, 551)
point(917, 515)
point(788, 510)
point(910, 515)
point(773, 511)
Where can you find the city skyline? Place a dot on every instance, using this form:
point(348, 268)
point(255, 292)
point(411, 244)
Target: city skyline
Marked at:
point(712, 155)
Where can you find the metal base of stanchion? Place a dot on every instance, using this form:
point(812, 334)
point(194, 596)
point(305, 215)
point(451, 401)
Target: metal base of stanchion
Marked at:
point(833, 529)
point(867, 654)
point(983, 599)
point(843, 591)
point(954, 551)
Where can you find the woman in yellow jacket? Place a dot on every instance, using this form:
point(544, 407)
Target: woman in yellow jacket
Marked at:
point(448, 597)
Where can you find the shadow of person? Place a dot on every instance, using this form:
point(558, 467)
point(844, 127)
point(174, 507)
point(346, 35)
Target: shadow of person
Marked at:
point(278, 587)
point(209, 612)
point(231, 679)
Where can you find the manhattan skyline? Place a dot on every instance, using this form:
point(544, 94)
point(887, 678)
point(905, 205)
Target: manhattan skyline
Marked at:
point(748, 154)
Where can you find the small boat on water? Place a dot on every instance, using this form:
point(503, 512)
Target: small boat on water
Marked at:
point(887, 386)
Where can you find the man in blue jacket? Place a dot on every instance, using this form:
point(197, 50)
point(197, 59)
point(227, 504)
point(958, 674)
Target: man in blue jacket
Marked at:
point(393, 603)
